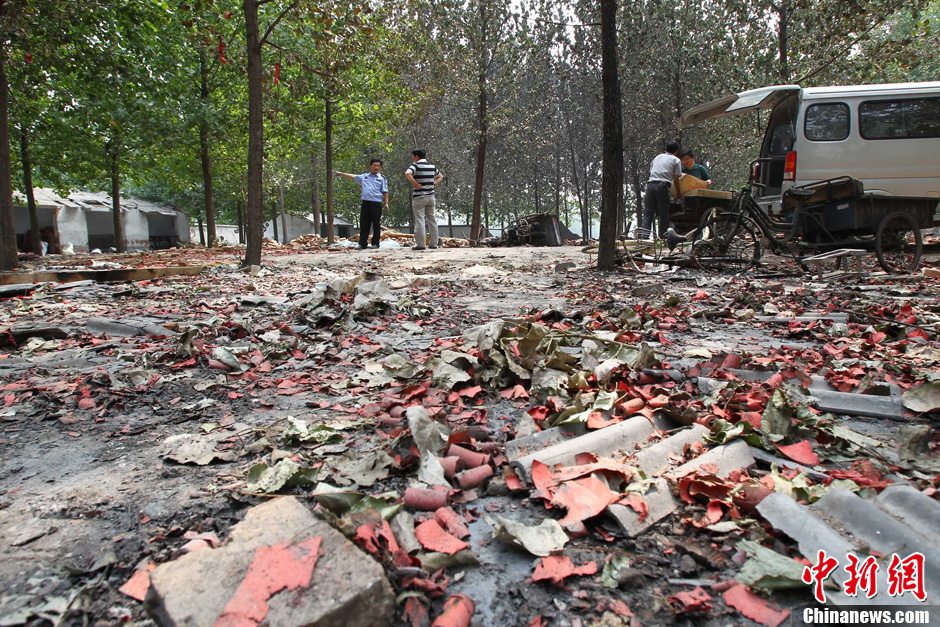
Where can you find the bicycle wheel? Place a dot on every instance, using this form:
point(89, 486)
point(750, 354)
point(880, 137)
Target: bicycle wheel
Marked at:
point(898, 243)
point(726, 243)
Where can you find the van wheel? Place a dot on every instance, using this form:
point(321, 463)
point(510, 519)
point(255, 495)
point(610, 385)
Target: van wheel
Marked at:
point(898, 243)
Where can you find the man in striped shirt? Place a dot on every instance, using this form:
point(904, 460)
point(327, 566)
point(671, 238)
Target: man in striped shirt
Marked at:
point(424, 177)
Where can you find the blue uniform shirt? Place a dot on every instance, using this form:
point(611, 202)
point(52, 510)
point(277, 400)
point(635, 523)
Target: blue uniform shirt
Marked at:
point(373, 186)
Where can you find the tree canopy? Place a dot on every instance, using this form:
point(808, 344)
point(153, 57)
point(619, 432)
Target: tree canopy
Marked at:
point(153, 97)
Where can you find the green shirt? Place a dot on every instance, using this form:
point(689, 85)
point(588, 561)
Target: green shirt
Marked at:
point(698, 171)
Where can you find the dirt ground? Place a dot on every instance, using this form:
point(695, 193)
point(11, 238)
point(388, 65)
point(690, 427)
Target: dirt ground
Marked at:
point(87, 492)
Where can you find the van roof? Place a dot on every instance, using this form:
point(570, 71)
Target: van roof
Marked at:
point(811, 93)
point(769, 97)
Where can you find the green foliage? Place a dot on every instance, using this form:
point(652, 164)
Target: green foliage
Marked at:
point(86, 76)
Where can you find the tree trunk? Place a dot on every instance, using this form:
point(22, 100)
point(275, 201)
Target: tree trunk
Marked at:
point(536, 189)
point(315, 191)
point(637, 186)
point(202, 232)
point(328, 127)
point(255, 208)
point(239, 215)
point(274, 226)
point(782, 42)
point(612, 176)
point(35, 243)
point(280, 202)
point(557, 182)
point(114, 154)
point(204, 155)
point(482, 124)
point(8, 254)
point(486, 211)
point(587, 207)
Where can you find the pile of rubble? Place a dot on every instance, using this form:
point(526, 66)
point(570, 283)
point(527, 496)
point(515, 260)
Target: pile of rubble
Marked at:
point(654, 452)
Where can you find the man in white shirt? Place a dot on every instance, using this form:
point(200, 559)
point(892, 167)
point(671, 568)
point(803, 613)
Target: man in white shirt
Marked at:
point(664, 172)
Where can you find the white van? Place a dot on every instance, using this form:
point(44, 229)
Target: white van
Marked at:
point(887, 136)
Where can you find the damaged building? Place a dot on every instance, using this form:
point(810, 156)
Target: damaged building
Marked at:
point(82, 222)
point(305, 225)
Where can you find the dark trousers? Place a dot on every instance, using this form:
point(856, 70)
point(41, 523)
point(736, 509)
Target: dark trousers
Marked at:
point(370, 218)
point(656, 201)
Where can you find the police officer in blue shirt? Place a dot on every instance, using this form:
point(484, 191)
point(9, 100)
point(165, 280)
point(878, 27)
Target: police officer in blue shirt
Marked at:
point(374, 199)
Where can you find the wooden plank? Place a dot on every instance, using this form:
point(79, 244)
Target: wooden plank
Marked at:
point(101, 276)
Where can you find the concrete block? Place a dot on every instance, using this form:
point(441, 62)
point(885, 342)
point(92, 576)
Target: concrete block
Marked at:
point(920, 512)
point(521, 447)
point(725, 458)
point(348, 587)
point(128, 327)
point(870, 526)
point(654, 459)
point(660, 501)
point(812, 534)
point(851, 404)
point(763, 456)
point(802, 525)
point(623, 436)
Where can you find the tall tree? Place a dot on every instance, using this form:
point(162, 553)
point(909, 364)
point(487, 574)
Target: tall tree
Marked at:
point(8, 254)
point(612, 176)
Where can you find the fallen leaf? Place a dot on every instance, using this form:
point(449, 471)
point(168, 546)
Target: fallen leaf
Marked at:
point(768, 570)
point(801, 452)
point(582, 498)
point(696, 600)
point(754, 607)
point(429, 436)
point(433, 537)
point(139, 583)
point(923, 398)
point(556, 568)
point(264, 479)
point(458, 612)
point(195, 448)
point(542, 540)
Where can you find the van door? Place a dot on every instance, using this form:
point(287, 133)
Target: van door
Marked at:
point(779, 138)
point(733, 104)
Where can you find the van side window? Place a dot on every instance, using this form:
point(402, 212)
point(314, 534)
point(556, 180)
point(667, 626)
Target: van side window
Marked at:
point(827, 122)
point(900, 119)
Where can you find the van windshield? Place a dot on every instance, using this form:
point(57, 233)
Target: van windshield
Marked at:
point(778, 141)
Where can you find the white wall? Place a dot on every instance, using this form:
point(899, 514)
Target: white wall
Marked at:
point(226, 233)
point(21, 218)
point(100, 230)
point(182, 228)
point(136, 230)
point(73, 229)
point(296, 226)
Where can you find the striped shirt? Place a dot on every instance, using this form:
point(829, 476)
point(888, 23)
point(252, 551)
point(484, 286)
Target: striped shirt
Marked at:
point(424, 173)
